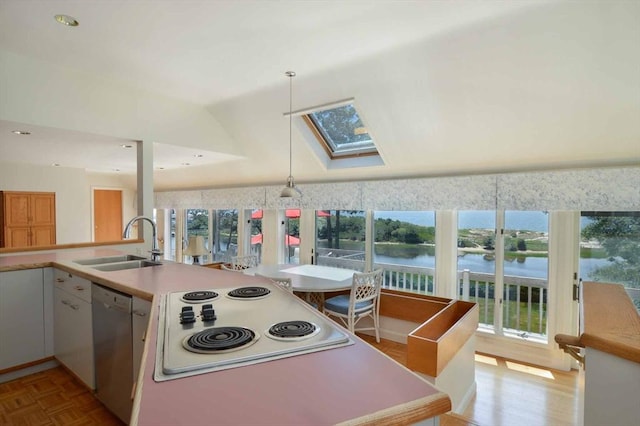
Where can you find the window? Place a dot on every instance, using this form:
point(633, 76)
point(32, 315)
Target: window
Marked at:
point(476, 261)
point(292, 236)
point(197, 224)
point(226, 235)
point(404, 246)
point(340, 239)
point(525, 273)
point(610, 249)
point(513, 265)
point(341, 132)
point(256, 233)
point(171, 255)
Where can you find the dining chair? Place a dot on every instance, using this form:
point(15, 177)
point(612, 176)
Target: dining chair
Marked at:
point(240, 263)
point(224, 267)
point(282, 282)
point(363, 301)
point(244, 262)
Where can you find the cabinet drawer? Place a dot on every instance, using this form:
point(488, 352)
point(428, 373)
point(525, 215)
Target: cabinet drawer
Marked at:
point(73, 335)
point(73, 284)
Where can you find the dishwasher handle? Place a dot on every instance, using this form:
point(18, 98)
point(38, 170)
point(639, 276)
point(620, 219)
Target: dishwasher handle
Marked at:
point(111, 299)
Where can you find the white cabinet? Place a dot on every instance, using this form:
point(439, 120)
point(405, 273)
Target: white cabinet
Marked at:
point(141, 310)
point(73, 284)
point(73, 332)
point(22, 317)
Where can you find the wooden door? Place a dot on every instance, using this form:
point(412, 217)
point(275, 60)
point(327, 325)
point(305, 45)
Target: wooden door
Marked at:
point(43, 209)
point(17, 209)
point(17, 236)
point(107, 215)
point(29, 219)
point(43, 236)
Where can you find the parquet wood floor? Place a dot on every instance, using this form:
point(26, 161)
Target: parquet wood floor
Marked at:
point(51, 398)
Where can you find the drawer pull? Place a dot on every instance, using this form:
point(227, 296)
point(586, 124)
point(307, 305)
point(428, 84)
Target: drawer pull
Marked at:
point(79, 288)
point(139, 313)
point(59, 280)
point(71, 305)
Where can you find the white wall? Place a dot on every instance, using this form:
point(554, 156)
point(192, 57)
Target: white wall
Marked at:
point(73, 188)
point(37, 92)
point(73, 202)
point(113, 181)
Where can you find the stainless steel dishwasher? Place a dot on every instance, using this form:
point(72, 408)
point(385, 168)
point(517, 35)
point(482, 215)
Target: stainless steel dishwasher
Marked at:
point(113, 349)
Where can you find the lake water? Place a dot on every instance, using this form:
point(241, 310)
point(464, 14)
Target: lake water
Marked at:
point(520, 220)
point(534, 267)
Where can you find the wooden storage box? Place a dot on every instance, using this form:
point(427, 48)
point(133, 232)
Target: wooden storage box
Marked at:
point(433, 344)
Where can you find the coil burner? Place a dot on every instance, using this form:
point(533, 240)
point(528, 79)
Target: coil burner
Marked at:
point(220, 340)
point(199, 296)
point(253, 292)
point(291, 331)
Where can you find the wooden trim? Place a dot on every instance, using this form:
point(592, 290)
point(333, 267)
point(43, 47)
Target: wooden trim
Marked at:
point(216, 265)
point(409, 307)
point(431, 346)
point(26, 365)
point(325, 145)
point(318, 135)
point(416, 295)
point(78, 379)
point(115, 285)
point(611, 322)
point(69, 246)
point(406, 414)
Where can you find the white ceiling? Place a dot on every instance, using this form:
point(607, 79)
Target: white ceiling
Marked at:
point(445, 87)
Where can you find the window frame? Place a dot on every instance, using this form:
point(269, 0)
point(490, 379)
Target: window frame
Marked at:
point(328, 146)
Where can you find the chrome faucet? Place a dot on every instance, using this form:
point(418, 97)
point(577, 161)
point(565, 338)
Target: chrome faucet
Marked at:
point(155, 251)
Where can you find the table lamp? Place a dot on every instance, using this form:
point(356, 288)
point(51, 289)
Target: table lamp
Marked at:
point(196, 248)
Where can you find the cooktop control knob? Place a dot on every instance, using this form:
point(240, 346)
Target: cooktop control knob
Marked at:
point(187, 315)
point(208, 313)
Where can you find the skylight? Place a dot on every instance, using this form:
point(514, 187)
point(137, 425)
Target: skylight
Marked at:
point(341, 132)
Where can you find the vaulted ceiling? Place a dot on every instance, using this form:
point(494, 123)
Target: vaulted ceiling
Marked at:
point(444, 87)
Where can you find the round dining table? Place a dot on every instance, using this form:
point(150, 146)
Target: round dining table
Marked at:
point(314, 280)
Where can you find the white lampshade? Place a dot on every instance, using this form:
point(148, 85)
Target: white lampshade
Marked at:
point(196, 246)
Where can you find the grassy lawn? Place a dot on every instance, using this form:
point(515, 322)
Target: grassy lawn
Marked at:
point(513, 321)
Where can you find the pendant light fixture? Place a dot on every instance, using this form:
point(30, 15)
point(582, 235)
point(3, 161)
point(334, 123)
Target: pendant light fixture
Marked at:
point(290, 189)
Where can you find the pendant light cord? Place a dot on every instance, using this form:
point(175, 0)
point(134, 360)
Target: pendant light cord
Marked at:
point(291, 74)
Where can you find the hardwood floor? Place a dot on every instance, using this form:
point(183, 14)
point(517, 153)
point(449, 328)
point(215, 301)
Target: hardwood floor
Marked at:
point(509, 393)
point(52, 397)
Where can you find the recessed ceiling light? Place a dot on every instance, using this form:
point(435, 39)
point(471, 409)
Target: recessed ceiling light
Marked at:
point(67, 20)
point(20, 132)
point(126, 146)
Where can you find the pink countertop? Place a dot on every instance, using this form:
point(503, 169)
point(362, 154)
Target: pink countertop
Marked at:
point(354, 384)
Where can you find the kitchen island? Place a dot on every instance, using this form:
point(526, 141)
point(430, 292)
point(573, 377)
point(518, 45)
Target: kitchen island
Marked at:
point(353, 384)
point(611, 338)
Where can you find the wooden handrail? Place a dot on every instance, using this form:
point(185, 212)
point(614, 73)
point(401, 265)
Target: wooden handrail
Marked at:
point(571, 345)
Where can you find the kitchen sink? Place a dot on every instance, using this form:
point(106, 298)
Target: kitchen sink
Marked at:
point(108, 259)
point(131, 264)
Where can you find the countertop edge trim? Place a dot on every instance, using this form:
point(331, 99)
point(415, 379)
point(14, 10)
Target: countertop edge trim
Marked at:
point(408, 413)
point(612, 345)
